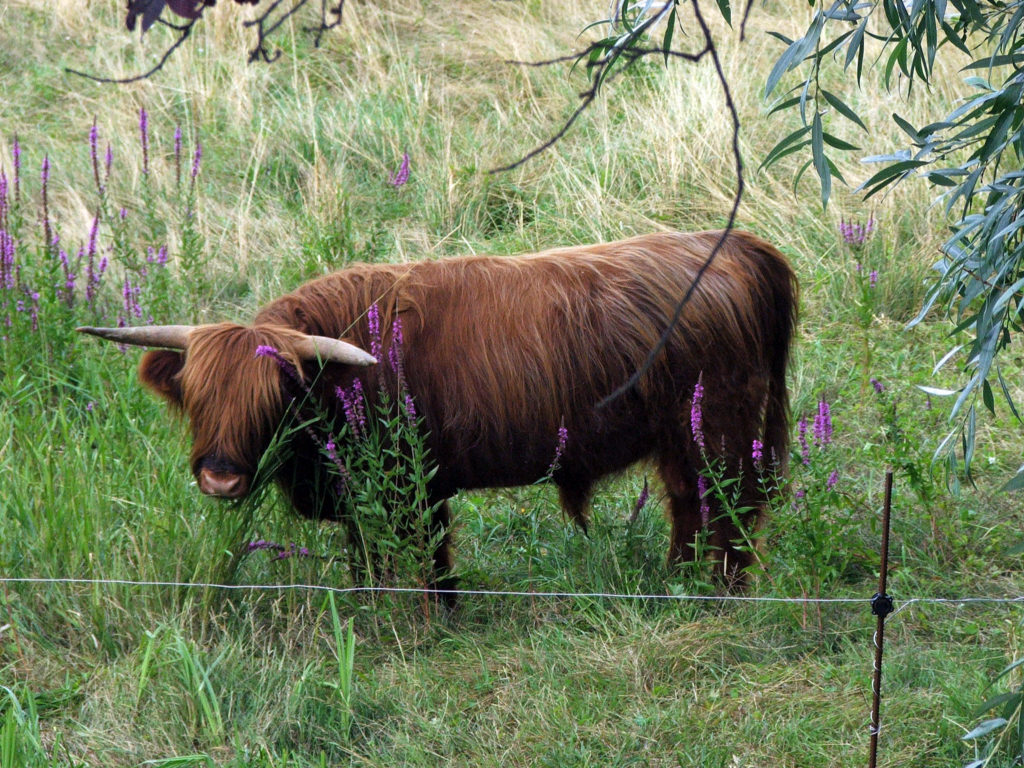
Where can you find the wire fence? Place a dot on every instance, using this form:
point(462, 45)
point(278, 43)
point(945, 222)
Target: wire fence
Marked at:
point(900, 605)
point(874, 726)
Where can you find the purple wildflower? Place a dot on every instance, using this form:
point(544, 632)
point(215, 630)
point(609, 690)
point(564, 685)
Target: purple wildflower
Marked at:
point(757, 453)
point(265, 350)
point(290, 551)
point(879, 387)
point(32, 308)
point(563, 438)
point(130, 294)
point(373, 325)
point(353, 403)
point(16, 156)
point(94, 135)
point(856, 234)
point(90, 406)
point(331, 449)
point(45, 176)
point(177, 155)
point(801, 493)
point(67, 290)
point(7, 267)
point(410, 408)
point(823, 424)
point(4, 205)
point(832, 479)
point(805, 449)
point(359, 401)
point(697, 414)
point(144, 133)
point(283, 552)
point(395, 351)
point(108, 161)
point(401, 176)
point(705, 506)
point(92, 275)
point(196, 157)
point(873, 278)
point(641, 501)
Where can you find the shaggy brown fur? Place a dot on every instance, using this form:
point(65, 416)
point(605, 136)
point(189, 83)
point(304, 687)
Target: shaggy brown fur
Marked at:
point(501, 352)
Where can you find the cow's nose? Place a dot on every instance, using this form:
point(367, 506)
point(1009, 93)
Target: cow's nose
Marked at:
point(227, 485)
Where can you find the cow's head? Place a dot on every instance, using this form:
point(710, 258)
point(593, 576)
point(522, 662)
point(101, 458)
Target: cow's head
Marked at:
point(234, 398)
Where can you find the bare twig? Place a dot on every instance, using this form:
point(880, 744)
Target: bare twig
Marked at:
point(184, 31)
point(265, 28)
point(630, 53)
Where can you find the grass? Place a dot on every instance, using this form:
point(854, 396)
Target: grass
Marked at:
point(293, 183)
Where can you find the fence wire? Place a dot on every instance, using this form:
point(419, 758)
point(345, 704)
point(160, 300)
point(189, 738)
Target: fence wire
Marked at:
point(900, 604)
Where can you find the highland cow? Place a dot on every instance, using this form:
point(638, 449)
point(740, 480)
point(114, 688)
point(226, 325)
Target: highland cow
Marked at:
point(501, 356)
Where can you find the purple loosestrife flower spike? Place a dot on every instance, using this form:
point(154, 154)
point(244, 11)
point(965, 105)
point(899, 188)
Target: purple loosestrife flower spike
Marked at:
point(331, 448)
point(373, 324)
point(359, 402)
point(805, 449)
point(265, 350)
point(108, 161)
point(94, 136)
point(353, 404)
point(823, 424)
point(144, 133)
point(705, 507)
point(195, 159)
point(832, 479)
point(873, 278)
point(697, 414)
point(45, 176)
point(177, 155)
point(395, 351)
point(757, 453)
point(401, 176)
point(16, 157)
point(563, 438)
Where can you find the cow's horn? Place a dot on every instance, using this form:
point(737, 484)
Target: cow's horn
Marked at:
point(335, 350)
point(167, 336)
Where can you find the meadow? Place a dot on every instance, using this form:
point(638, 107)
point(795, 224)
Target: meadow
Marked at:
point(205, 191)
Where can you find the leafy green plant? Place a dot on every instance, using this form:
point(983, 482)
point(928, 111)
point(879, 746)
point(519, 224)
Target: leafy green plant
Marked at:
point(344, 649)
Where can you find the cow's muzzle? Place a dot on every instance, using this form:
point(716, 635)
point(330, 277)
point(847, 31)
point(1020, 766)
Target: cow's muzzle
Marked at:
point(226, 485)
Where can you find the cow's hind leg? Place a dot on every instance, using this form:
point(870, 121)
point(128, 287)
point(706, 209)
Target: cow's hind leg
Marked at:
point(575, 499)
point(728, 536)
point(684, 511)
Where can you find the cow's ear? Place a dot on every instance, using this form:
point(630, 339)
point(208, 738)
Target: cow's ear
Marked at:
point(159, 369)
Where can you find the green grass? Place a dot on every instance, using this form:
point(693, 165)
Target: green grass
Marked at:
point(93, 471)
